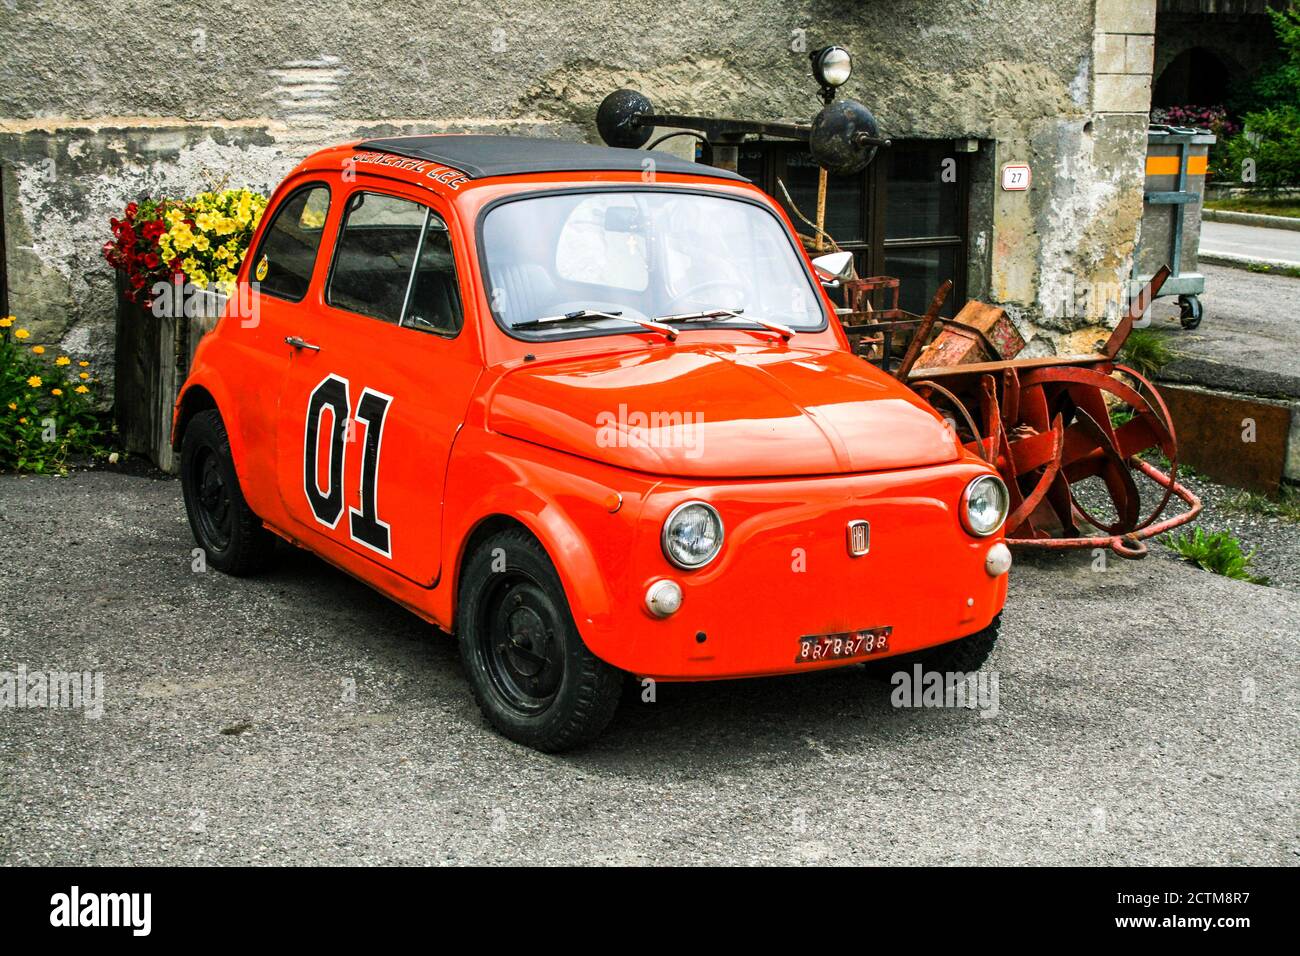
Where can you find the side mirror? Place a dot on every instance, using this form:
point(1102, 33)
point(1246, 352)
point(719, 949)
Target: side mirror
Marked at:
point(833, 268)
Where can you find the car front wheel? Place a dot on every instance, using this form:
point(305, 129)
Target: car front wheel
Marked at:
point(232, 537)
point(532, 675)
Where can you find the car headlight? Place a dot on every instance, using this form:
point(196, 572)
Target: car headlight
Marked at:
point(984, 505)
point(692, 535)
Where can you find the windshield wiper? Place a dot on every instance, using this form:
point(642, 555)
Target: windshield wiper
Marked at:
point(584, 315)
point(782, 330)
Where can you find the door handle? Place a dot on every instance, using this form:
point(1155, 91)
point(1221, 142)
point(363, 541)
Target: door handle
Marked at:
point(299, 343)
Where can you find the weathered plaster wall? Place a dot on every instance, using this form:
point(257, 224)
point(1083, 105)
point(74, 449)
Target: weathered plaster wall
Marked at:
point(100, 103)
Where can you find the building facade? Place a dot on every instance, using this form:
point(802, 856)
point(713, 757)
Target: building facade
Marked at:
point(103, 103)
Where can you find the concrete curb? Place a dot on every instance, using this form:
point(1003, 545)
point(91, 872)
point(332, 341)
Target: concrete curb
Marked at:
point(1243, 262)
point(1251, 219)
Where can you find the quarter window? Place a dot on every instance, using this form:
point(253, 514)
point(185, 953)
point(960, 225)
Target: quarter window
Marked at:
point(393, 262)
point(287, 255)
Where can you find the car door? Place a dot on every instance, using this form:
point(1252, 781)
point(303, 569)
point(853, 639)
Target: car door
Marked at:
point(378, 383)
point(278, 281)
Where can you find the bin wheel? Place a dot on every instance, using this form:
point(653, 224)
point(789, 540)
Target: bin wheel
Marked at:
point(1189, 311)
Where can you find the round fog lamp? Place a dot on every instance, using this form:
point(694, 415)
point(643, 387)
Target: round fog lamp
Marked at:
point(834, 66)
point(663, 598)
point(998, 560)
point(692, 535)
point(984, 505)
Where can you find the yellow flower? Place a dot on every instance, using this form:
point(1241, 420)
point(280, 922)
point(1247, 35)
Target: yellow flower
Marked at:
point(84, 364)
point(13, 406)
point(21, 334)
point(38, 349)
point(202, 243)
point(63, 360)
point(34, 382)
point(56, 392)
point(200, 279)
point(7, 321)
point(22, 421)
point(83, 376)
point(81, 390)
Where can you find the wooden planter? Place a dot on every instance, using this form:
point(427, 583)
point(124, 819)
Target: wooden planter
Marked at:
point(152, 358)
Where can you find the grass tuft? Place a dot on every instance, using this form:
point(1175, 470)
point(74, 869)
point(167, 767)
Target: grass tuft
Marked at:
point(1146, 351)
point(1218, 552)
point(1286, 506)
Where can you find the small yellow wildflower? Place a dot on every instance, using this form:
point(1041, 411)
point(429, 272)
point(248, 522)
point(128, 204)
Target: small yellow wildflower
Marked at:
point(34, 382)
point(56, 392)
point(38, 349)
point(83, 376)
point(84, 364)
point(13, 406)
point(21, 334)
point(63, 360)
point(81, 390)
point(7, 321)
point(22, 421)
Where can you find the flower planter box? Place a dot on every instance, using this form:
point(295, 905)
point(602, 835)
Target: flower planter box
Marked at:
point(152, 358)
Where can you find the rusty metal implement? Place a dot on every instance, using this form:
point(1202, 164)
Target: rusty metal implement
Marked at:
point(1045, 424)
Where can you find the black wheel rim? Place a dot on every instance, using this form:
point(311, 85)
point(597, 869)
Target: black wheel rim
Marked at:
point(212, 503)
point(519, 642)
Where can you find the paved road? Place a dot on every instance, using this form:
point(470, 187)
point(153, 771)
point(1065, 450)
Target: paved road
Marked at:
point(1251, 242)
point(1146, 715)
point(1249, 339)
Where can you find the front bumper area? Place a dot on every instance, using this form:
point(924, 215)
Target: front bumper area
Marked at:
point(785, 572)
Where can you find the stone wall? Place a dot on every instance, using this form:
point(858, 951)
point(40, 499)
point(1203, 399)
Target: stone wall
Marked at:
point(100, 103)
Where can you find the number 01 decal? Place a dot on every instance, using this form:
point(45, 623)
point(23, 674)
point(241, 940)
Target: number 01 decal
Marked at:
point(364, 525)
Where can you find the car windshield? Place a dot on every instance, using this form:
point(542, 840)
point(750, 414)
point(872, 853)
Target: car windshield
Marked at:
point(598, 261)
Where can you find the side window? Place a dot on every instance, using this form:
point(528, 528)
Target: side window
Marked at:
point(393, 262)
point(287, 255)
point(435, 296)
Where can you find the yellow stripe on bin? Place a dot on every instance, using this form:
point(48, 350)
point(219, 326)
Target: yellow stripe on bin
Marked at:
point(1168, 165)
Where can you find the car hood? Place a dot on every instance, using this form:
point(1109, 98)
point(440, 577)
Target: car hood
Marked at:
point(719, 411)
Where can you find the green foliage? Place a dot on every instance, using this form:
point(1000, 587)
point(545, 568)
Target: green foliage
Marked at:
point(1272, 115)
point(1146, 351)
point(1261, 206)
point(47, 408)
point(1218, 552)
point(1271, 144)
point(1286, 506)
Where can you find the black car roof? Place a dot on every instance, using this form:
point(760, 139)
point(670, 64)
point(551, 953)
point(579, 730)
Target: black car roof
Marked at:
point(481, 156)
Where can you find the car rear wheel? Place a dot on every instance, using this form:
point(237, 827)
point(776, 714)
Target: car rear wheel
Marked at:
point(231, 536)
point(532, 675)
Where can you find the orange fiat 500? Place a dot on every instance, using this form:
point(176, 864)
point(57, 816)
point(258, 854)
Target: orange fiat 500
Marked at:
point(589, 410)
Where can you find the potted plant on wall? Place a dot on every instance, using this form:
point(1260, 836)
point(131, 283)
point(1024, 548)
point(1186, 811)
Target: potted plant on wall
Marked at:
point(176, 261)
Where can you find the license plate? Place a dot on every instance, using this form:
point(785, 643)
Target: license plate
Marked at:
point(837, 647)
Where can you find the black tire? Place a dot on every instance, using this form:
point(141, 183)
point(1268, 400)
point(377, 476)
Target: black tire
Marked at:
point(1190, 312)
point(965, 654)
point(532, 675)
point(232, 537)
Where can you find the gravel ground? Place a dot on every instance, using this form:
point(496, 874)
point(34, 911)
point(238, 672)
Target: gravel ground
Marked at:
point(1146, 715)
point(1275, 540)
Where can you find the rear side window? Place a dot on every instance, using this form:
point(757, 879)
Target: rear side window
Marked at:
point(393, 262)
point(287, 255)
